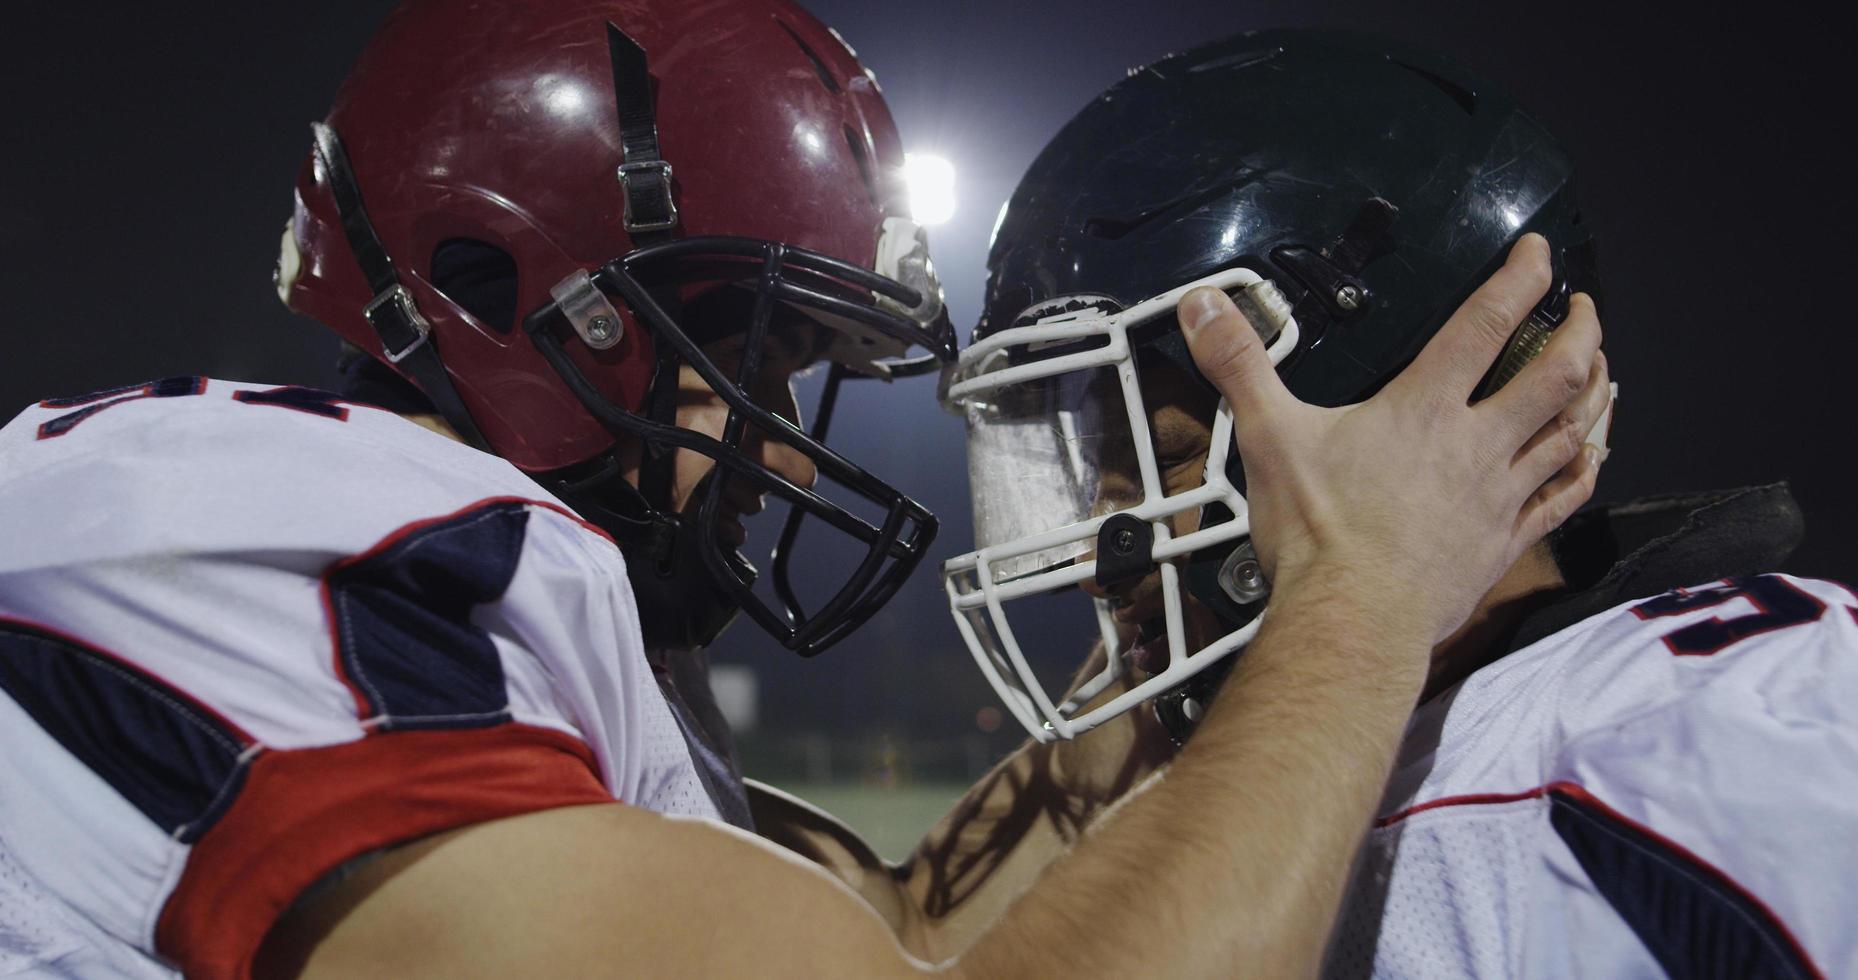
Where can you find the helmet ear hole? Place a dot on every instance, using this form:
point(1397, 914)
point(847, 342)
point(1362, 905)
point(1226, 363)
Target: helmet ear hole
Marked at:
point(480, 277)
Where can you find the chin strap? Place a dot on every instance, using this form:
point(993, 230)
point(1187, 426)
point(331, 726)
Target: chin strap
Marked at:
point(405, 336)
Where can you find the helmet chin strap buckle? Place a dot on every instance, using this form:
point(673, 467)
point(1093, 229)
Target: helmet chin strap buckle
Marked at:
point(656, 210)
point(394, 316)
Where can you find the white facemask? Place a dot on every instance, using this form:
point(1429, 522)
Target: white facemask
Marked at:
point(1054, 406)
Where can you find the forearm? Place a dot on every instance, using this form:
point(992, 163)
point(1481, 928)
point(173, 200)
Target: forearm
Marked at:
point(1025, 813)
point(995, 841)
point(1246, 842)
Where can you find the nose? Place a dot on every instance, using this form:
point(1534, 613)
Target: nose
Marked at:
point(785, 461)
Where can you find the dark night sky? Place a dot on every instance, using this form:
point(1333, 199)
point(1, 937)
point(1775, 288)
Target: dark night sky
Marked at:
point(150, 154)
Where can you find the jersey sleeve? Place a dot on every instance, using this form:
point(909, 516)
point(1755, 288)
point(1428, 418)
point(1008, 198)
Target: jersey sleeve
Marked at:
point(1715, 810)
point(303, 636)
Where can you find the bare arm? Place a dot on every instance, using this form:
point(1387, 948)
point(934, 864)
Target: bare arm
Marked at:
point(1029, 809)
point(1389, 519)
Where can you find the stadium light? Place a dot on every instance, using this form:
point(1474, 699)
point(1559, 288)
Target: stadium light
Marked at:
point(932, 188)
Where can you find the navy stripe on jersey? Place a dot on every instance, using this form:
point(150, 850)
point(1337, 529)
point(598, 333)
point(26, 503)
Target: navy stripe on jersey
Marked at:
point(172, 758)
point(165, 388)
point(299, 398)
point(94, 402)
point(1691, 917)
point(401, 617)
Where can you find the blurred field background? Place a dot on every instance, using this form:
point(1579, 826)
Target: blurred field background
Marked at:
point(891, 818)
point(888, 788)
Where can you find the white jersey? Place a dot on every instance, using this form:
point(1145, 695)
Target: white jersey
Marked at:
point(250, 634)
point(1667, 788)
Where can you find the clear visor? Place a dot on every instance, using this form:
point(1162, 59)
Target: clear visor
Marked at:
point(1045, 454)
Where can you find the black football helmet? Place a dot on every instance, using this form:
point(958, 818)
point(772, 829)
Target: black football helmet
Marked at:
point(1348, 192)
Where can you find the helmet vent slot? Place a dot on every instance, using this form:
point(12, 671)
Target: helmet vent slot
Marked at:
point(1466, 99)
point(856, 142)
point(819, 67)
point(480, 277)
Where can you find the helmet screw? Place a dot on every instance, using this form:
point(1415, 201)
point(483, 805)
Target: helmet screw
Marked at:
point(1348, 298)
point(1125, 541)
point(1241, 577)
point(600, 328)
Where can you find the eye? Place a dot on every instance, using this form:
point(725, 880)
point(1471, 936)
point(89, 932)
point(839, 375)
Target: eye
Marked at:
point(1181, 434)
point(1178, 464)
point(725, 354)
point(1179, 445)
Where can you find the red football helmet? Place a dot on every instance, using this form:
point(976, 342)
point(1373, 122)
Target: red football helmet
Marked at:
point(535, 211)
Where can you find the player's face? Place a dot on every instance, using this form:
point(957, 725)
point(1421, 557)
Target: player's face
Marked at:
point(789, 349)
point(1180, 418)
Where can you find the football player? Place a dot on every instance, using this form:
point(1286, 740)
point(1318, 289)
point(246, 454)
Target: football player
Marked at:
point(407, 679)
point(1634, 757)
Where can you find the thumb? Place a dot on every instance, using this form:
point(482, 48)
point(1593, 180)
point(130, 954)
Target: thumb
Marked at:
point(1229, 352)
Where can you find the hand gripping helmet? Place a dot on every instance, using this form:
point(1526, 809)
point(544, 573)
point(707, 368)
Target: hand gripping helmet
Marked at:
point(1347, 194)
point(536, 212)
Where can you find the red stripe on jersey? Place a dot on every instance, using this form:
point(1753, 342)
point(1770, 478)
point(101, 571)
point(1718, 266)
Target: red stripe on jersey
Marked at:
point(303, 812)
point(332, 624)
point(1469, 799)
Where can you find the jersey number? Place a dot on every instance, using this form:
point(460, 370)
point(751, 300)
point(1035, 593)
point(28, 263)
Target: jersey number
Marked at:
point(1778, 605)
point(301, 399)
